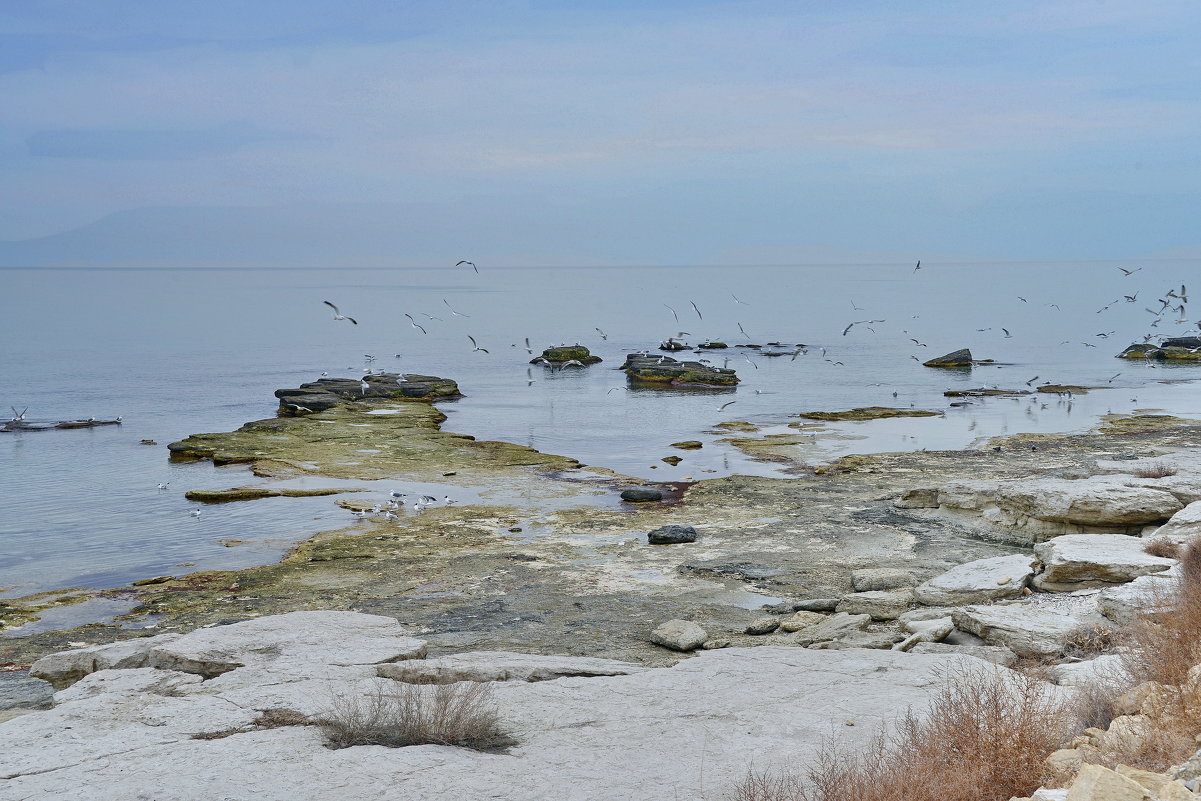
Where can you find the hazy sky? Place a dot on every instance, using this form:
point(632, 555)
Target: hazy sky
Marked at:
point(294, 132)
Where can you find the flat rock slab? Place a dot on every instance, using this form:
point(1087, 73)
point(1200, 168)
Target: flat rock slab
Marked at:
point(881, 578)
point(976, 582)
point(879, 604)
point(579, 739)
point(1126, 602)
point(331, 638)
point(1027, 630)
point(1075, 561)
point(1183, 526)
point(1045, 507)
point(66, 667)
point(834, 627)
point(502, 666)
point(997, 654)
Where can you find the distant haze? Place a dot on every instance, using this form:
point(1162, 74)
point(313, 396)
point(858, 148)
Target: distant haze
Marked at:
point(289, 133)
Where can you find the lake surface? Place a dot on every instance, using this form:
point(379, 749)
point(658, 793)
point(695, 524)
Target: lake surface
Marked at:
point(176, 352)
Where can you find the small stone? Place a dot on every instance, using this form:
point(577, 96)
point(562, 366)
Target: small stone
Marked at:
point(763, 625)
point(641, 495)
point(672, 534)
point(679, 635)
point(515, 529)
point(148, 581)
point(671, 460)
point(816, 605)
point(713, 645)
point(688, 445)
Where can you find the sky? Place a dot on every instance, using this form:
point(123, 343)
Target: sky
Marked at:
point(291, 133)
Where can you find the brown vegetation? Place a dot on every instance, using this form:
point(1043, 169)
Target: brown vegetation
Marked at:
point(1164, 547)
point(1157, 470)
point(459, 714)
point(985, 740)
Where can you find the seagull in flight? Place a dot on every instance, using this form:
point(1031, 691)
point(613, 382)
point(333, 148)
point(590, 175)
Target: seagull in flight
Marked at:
point(413, 323)
point(338, 315)
point(603, 335)
point(1130, 272)
point(475, 347)
point(695, 309)
point(673, 313)
point(919, 265)
point(743, 330)
point(736, 300)
point(722, 408)
point(452, 311)
point(461, 262)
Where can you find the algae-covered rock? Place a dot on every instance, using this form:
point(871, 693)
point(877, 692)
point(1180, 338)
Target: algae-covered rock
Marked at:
point(667, 372)
point(566, 353)
point(255, 493)
point(1062, 389)
point(956, 358)
point(710, 345)
point(869, 413)
point(1184, 349)
point(1142, 350)
point(671, 460)
point(326, 393)
point(688, 445)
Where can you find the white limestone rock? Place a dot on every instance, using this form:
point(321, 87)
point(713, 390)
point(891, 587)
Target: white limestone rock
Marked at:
point(1124, 603)
point(997, 654)
point(679, 635)
point(1106, 667)
point(983, 580)
point(579, 739)
point(1075, 561)
point(879, 604)
point(1037, 509)
point(66, 667)
point(325, 637)
point(502, 666)
point(834, 627)
point(870, 579)
point(1027, 630)
point(1183, 526)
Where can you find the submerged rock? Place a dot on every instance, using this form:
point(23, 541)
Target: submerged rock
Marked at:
point(666, 371)
point(641, 494)
point(956, 358)
point(869, 413)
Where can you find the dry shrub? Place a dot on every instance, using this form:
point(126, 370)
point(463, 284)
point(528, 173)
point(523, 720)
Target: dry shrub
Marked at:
point(273, 718)
point(1091, 642)
point(985, 740)
point(1156, 470)
point(461, 714)
point(1161, 546)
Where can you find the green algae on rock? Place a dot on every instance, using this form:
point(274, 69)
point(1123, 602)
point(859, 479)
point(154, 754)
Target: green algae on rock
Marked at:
point(983, 392)
point(1060, 389)
point(1184, 349)
point(566, 353)
point(666, 371)
point(255, 493)
point(869, 413)
point(688, 445)
point(326, 393)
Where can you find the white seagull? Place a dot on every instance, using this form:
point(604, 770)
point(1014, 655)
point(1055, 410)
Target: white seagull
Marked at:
point(339, 315)
point(475, 347)
point(461, 262)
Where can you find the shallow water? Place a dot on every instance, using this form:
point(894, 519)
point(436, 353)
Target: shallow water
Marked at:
point(179, 352)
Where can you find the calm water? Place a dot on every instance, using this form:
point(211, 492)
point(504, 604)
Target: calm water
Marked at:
point(179, 352)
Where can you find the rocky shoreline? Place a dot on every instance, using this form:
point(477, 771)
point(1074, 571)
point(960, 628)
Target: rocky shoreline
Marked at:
point(895, 553)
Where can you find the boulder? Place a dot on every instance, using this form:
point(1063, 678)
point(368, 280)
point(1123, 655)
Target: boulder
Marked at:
point(666, 372)
point(641, 495)
point(1096, 783)
point(763, 625)
point(326, 393)
point(956, 358)
point(1182, 526)
point(880, 640)
point(1184, 349)
point(881, 578)
point(501, 666)
point(800, 620)
point(672, 534)
point(679, 635)
point(816, 605)
point(325, 637)
point(1126, 602)
point(879, 604)
point(925, 631)
point(1075, 561)
point(1027, 630)
point(983, 580)
point(834, 627)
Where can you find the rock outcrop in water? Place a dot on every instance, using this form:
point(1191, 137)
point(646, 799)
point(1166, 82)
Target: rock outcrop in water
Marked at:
point(1184, 349)
point(667, 372)
point(326, 393)
point(565, 353)
point(956, 358)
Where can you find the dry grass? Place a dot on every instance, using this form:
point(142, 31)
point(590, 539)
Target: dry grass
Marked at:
point(461, 714)
point(1157, 470)
point(1164, 547)
point(984, 741)
point(273, 718)
point(1092, 642)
